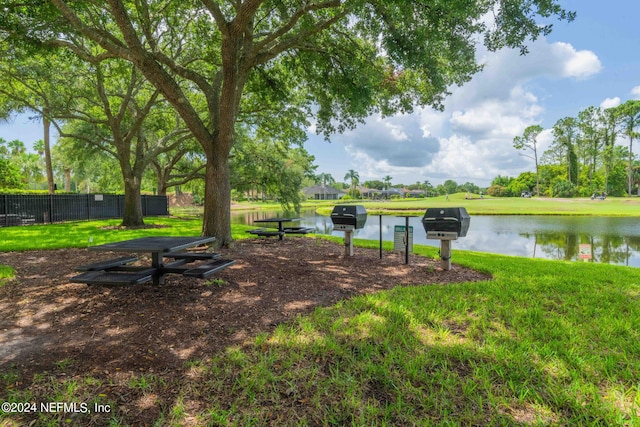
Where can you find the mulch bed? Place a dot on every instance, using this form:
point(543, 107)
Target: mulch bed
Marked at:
point(46, 319)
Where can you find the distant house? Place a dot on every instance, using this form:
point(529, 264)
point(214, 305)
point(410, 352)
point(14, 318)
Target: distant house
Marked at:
point(392, 193)
point(369, 193)
point(318, 192)
point(415, 193)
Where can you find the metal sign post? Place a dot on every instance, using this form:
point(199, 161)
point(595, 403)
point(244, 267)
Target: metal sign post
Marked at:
point(380, 216)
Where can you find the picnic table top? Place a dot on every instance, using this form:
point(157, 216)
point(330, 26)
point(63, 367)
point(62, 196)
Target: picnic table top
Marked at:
point(154, 244)
point(277, 220)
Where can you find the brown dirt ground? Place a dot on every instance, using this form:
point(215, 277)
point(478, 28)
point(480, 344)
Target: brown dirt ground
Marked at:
point(106, 332)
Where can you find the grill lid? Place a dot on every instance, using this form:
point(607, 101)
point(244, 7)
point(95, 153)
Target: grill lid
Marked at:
point(446, 220)
point(351, 215)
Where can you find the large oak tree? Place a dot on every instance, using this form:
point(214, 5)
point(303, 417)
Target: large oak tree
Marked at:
point(221, 61)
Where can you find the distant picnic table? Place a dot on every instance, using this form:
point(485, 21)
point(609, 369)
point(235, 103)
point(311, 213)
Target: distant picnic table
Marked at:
point(282, 230)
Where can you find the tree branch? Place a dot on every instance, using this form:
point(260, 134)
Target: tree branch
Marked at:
point(218, 16)
point(295, 41)
point(294, 20)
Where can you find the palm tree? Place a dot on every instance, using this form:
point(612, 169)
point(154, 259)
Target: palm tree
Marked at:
point(325, 179)
point(428, 187)
point(354, 178)
point(387, 182)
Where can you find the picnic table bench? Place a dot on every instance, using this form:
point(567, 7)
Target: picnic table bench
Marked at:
point(206, 270)
point(298, 230)
point(265, 232)
point(114, 278)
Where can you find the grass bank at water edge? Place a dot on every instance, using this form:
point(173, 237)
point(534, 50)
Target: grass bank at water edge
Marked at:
point(612, 206)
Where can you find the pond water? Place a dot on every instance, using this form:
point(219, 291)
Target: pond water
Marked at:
point(610, 240)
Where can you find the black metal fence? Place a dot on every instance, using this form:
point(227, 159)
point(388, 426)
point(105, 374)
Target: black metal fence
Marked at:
point(41, 209)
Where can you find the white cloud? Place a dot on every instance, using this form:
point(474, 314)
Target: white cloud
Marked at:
point(544, 141)
point(578, 64)
point(462, 159)
point(610, 103)
point(498, 117)
point(507, 69)
point(636, 92)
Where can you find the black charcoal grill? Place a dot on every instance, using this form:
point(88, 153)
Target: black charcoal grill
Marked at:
point(348, 218)
point(446, 224)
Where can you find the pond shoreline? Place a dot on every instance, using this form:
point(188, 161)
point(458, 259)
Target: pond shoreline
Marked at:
point(610, 239)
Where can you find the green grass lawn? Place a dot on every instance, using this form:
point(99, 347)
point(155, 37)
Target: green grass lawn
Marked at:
point(542, 343)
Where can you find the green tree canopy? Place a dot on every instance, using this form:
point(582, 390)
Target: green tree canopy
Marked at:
point(270, 168)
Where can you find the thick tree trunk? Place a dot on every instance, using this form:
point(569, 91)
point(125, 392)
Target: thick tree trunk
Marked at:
point(161, 175)
point(67, 179)
point(132, 203)
point(217, 199)
point(47, 154)
point(217, 205)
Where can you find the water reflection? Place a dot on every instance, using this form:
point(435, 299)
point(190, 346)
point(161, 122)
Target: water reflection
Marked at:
point(609, 240)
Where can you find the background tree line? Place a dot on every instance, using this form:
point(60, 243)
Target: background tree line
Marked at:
point(585, 157)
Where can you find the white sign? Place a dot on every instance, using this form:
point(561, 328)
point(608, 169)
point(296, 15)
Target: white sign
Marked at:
point(99, 198)
point(399, 242)
point(585, 251)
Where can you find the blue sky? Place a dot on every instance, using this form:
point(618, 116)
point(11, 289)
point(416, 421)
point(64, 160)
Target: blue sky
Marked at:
point(591, 61)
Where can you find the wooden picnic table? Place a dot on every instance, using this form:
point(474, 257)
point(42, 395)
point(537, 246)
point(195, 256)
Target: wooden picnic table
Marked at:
point(160, 247)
